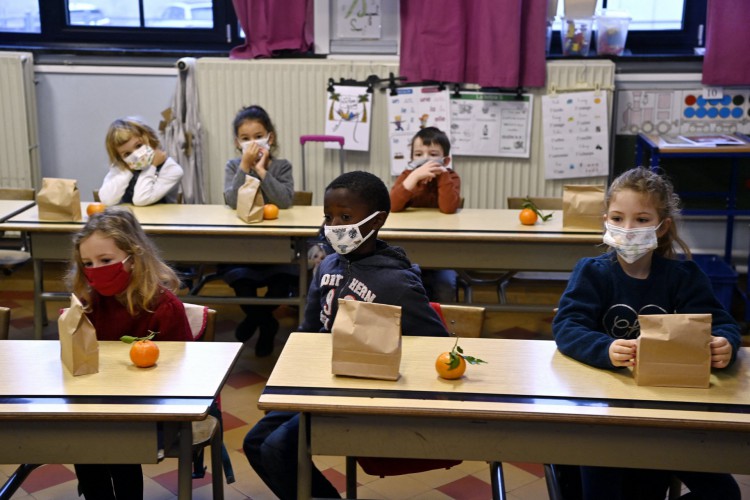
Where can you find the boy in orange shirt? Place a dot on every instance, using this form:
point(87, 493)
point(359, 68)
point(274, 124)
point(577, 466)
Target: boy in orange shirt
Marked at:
point(430, 182)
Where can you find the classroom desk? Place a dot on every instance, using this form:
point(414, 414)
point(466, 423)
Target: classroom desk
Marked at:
point(9, 208)
point(471, 239)
point(49, 416)
point(529, 403)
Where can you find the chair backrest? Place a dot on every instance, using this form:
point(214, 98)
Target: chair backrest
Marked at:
point(96, 196)
point(303, 198)
point(202, 321)
point(17, 194)
point(4, 323)
point(464, 321)
point(542, 203)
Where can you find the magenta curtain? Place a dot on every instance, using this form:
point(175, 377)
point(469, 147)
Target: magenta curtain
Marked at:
point(493, 43)
point(273, 25)
point(727, 59)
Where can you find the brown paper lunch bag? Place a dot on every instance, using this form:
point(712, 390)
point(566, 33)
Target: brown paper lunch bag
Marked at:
point(366, 340)
point(583, 207)
point(250, 201)
point(59, 200)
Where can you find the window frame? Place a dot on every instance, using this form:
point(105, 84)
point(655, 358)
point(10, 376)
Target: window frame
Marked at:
point(57, 34)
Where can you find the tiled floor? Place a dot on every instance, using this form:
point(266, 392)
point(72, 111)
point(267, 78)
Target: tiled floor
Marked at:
point(469, 480)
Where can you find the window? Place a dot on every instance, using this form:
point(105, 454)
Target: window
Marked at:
point(657, 26)
point(131, 24)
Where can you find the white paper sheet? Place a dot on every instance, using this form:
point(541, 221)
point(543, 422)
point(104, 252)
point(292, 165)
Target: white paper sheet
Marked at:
point(349, 113)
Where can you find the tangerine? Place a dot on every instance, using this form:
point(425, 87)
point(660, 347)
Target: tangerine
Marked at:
point(144, 353)
point(450, 365)
point(95, 208)
point(270, 211)
point(528, 217)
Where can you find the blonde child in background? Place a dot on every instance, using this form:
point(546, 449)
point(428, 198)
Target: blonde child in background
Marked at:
point(597, 321)
point(126, 289)
point(140, 173)
point(255, 140)
point(430, 182)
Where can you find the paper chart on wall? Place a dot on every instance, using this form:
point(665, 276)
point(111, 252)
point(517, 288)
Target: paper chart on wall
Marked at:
point(348, 114)
point(412, 109)
point(576, 135)
point(484, 124)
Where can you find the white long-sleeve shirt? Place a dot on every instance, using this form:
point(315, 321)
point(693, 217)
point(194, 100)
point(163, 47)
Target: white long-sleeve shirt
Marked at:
point(151, 186)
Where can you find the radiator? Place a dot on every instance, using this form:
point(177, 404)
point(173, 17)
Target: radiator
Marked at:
point(293, 93)
point(19, 146)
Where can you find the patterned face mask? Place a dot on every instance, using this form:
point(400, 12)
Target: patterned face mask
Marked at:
point(421, 161)
point(347, 238)
point(140, 158)
point(631, 244)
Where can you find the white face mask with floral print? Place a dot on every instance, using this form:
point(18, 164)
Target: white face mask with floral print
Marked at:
point(346, 238)
point(631, 244)
point(141, 158)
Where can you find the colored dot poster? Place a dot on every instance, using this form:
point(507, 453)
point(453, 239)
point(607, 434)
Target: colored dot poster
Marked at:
point(668, 112)
point(576, 134)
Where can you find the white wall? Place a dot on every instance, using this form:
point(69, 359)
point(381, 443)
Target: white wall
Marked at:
point(76, 105)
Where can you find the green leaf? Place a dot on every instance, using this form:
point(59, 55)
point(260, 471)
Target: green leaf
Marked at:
point(455, 361)
point(128, 339)
point(474, 361)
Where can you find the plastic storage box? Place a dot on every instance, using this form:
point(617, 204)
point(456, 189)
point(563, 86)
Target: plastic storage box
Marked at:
point(722, 276)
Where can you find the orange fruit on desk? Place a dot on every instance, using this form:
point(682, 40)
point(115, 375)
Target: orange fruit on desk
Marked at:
point(144, 353)
point(95, 208)
point(450, 365)
point(270, 211)
point(528, 217)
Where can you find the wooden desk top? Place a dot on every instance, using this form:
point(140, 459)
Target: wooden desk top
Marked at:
point(305, 221)
point(524, 379)
point(9, 208)
point(186, 373)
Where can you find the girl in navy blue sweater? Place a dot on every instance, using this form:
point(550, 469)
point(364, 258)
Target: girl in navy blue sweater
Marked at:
point(597, 321)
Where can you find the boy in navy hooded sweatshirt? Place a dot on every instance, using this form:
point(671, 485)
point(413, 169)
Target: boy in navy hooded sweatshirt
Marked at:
point(363, 268)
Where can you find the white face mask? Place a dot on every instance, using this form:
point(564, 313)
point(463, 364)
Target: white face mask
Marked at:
point(421, 161)
point(141, 158)
point(347, 238)
point(631, 244)
point(263, 143)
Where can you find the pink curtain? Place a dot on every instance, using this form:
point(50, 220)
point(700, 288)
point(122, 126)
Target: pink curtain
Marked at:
point(493, 43)
point(727, 59)
point(272, 25)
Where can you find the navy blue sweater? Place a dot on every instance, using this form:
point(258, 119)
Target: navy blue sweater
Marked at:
point(602, 303)
point(385, 277)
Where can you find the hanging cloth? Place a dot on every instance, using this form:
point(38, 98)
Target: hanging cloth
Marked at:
point(183, 134)
point(493, 43)
point(727, 59)
point(273, 26)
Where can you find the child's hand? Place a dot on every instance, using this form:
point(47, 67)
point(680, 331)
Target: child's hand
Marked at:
point(721, 352)
point(252, 154)
point(622, 352)
point(159, 157)
point(425, 173)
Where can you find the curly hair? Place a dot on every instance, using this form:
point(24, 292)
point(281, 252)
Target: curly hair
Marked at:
point(367, 187)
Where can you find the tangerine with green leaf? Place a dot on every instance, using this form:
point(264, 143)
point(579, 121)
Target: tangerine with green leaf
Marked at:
point(143, 351)
point(452, 365)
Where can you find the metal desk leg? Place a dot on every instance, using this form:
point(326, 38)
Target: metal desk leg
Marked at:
point(731, 206)
point(185, 462)
point(39, 306)
point(301, 251)
point(304, 459)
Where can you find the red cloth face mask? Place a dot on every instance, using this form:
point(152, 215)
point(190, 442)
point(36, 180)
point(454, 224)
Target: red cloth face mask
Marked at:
point(108, 280)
